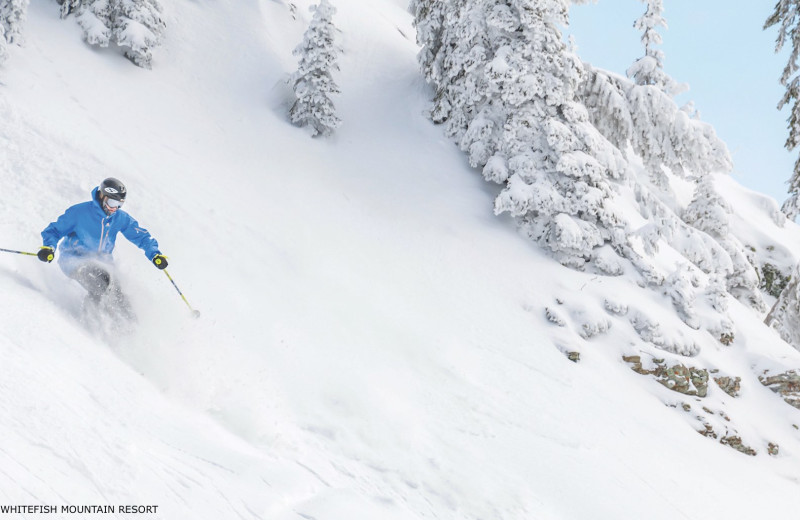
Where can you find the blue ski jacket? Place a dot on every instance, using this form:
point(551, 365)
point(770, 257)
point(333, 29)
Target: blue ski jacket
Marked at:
point(90, 234)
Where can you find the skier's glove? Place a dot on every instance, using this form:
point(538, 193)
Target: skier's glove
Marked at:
point(160, 261)
point(46, 254)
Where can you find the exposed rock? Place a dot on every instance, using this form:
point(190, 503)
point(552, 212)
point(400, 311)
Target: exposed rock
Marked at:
point(686, 380)
point(568, 349)
point(735, 442)
point(729, 385)
point(726, 338)
point(694, 381)
point(682, 379)
point(636, 362)
point(708, 431)
point(784, 316)
point(773, 449)
point(787, 385)
point(700, 381)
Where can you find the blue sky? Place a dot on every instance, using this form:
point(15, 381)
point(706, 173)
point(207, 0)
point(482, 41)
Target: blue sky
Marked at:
point(725, 57)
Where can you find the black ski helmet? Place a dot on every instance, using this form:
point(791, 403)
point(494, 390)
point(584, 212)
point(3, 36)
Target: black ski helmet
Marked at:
point(113, 189)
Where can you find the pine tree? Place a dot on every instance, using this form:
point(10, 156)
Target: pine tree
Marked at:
point(681, 286)
point(429, 23)
point(312, 82)
point(649, 69)
point(708, 212)
point(564, 139)
point(642, 117)
point(12, 17)
point(784, 316)
point(664, 135)
point(69, 6)
point(605, 96)
point(3, 45)
point(787, 17)
point(505, 90)
point(94, 16)
point(136, 25)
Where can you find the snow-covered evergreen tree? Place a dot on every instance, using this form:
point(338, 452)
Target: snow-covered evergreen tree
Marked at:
point(784, 316)
point(708, 212)
point(69, 6)
point(663, 135)
point(312, 82)
point(12, 17)
point(787, 17)
point(3, 45)
point(136, 25)
point(94, 16)
point(565, 140)
point(645, 121)
point(649, 69)
point(429, 23)
point(681, 286)
point(506, 92)
point(605, 96)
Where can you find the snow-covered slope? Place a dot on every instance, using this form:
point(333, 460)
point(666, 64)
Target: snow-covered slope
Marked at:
point(373, 341)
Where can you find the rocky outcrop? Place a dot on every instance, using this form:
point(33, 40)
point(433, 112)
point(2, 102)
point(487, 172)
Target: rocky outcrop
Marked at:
point(787, 385)
point(693, 381)
point(680, 378)
point(729, 385)
point(773, 449)
point(735, 442)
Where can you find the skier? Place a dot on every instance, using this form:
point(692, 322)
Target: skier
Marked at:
point(89, 230)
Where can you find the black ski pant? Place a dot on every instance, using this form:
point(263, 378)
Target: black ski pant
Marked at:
point(93, 278)
point(104, 292)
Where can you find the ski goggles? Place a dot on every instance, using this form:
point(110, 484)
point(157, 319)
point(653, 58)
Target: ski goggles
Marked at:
point(114, 203)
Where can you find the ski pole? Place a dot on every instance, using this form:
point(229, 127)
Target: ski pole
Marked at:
point(195, 313)
point(17, 252)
